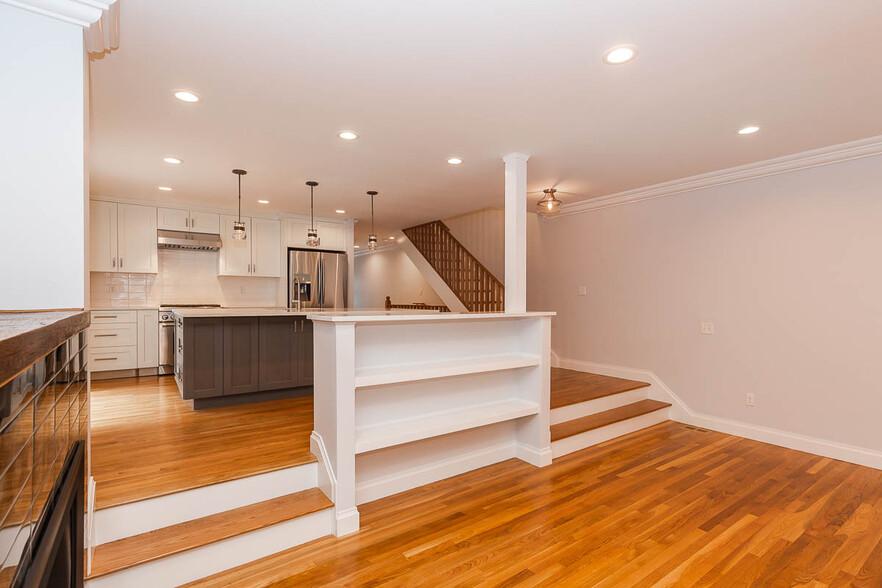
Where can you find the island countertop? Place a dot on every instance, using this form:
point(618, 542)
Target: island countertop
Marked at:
point(279, 311)
point(358, 316)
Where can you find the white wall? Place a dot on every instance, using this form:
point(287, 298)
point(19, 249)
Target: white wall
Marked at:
point(389, 272)
point(42, 117)
point(482, 232)
point(787, 268)
point(185, 277)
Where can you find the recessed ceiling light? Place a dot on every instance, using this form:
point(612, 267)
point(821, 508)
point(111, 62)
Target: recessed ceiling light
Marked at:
point(340, 211)
point(619, 54)
point(748, 130)
point(358, 246)
point(392, 238)
point(186, 96)
point(454, 161)
point(348, 135)
point(173, 160)
point(165, 188)
point(263, 201)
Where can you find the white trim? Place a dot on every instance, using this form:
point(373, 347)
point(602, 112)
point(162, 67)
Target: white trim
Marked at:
point(326, 480)
point(142, 516)
point(346, 521)
point(589, 407)
point(593, 437)
point(533, 455)
point(681, 412)
point(194, 564)
point(381, 487)
point(555, 359)
point(826, 155)
point(78, 12)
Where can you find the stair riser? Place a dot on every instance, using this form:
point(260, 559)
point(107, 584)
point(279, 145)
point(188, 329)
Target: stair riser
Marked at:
point(589, 438)
point(204, 561)
point(139, 517)
point(576, 411)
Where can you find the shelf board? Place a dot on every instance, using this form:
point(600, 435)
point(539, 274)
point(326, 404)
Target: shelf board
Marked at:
point(396, 374)
point(440, 423)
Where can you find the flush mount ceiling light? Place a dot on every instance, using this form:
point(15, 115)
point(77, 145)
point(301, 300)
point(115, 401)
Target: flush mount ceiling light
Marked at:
point(372, 239)
point(173, 160)
point(748, 130)
point(312, 238)
point(348, 135)
point(340, 211)
point(619, 54)
point(186, 96)
point(238, 225)
point(164, 188)
point(263, 201)
point(454, 161)
point(549, 205)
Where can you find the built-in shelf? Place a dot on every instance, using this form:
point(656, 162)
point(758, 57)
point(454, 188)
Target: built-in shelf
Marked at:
point(435, 424)
point(396, 374)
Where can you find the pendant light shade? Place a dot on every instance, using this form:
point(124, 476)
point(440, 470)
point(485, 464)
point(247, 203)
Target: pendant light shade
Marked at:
point(312, 238)
point(238, 225)
point(549, 205)
point(372, 239)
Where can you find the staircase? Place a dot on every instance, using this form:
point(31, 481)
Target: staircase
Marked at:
point(469, 280)
point(189, 535)
point(587, 409)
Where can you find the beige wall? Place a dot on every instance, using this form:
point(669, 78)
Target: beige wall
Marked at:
point(787, 267)
point(389, 272)
point(482, 232)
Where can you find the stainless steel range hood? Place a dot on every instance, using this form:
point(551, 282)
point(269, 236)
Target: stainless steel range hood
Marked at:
point(184, 240)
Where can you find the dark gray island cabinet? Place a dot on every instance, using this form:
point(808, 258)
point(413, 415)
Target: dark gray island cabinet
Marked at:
point(223, 360)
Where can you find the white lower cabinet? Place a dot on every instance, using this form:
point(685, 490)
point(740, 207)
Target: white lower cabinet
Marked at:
point(148, 339)
point(123, 340)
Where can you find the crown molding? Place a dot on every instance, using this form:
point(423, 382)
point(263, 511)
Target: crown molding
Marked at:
point(98, 18)
point(826, 155)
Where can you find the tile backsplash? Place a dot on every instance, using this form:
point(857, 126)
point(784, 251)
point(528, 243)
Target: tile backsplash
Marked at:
point(185, 277)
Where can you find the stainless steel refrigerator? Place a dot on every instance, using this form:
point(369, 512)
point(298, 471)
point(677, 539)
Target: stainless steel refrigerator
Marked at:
point(317, 279)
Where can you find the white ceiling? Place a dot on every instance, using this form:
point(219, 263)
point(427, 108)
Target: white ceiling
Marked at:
point(423, 81)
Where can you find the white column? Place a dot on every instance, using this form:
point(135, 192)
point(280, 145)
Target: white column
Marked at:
point(515, 232)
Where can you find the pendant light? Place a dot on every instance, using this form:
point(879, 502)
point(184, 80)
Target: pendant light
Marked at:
point(238, 225)
point(312, 238)
point(549, 205)
point(372, 240)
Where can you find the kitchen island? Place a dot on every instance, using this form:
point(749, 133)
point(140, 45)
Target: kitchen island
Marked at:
point(229, 356)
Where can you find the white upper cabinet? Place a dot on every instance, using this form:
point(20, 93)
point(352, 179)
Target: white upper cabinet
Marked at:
point(235, 255)
point(122, 238)
point(136, 238)
point(260, 255)
point(175, 219)
point(332, 235)
point(102, 236)
point(266, 247)
point(204, 222)
point(172, 219)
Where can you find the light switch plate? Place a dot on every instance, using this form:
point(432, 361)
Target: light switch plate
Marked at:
point(750, 399)
point(707, 328)
point(583, 291)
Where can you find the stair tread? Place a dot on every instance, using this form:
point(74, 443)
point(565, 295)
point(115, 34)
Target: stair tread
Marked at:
point(572, 387)
point(132, 551)
point(607, 417)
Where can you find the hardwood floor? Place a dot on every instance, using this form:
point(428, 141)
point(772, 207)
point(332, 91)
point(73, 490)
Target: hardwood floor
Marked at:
point(147, 441)
point(571, 387)
point(667, 506)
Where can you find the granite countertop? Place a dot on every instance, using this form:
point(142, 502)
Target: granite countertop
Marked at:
point(27, 336)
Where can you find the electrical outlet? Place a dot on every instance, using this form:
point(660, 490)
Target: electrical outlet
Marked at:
point(583, 291)
point(242, 290)
point(707, 328)
point(750, 399)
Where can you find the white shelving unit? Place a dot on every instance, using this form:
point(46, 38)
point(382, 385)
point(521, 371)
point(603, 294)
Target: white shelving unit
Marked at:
point(405, 400)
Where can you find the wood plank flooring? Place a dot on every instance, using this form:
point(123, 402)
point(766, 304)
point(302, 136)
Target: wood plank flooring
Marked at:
point(666, 506)
point(132, 551)
point(572, 387)
point(148, 442)
point(607, 417)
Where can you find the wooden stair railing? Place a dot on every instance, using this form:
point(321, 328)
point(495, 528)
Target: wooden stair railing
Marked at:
point(415, 306)
point(473, 284)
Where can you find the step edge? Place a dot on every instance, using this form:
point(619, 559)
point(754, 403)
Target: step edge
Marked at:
point(156, 557)
point(629, 389)
point(663, 406)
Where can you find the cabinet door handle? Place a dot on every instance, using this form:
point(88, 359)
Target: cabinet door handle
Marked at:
point(187, 222)
point(108, 335)
point(105, 358)
point(113, 261)
point(120, 262)
point(254, 268)
point(108, 316)
point(192, 222)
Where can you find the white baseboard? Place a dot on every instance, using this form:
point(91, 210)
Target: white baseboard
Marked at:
point(346, 522)
point(602, 434)
point(381, 487)
point(533, 455)
point(327, 481)
point(555, 359)
point(681, 412)
point(201, 562)
point(142, 516)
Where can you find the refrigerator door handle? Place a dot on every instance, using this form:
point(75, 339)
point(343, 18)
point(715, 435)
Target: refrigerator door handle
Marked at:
point(321, 282)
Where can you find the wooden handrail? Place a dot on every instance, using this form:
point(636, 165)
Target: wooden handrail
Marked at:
point(470, 281)
point(415, 306)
